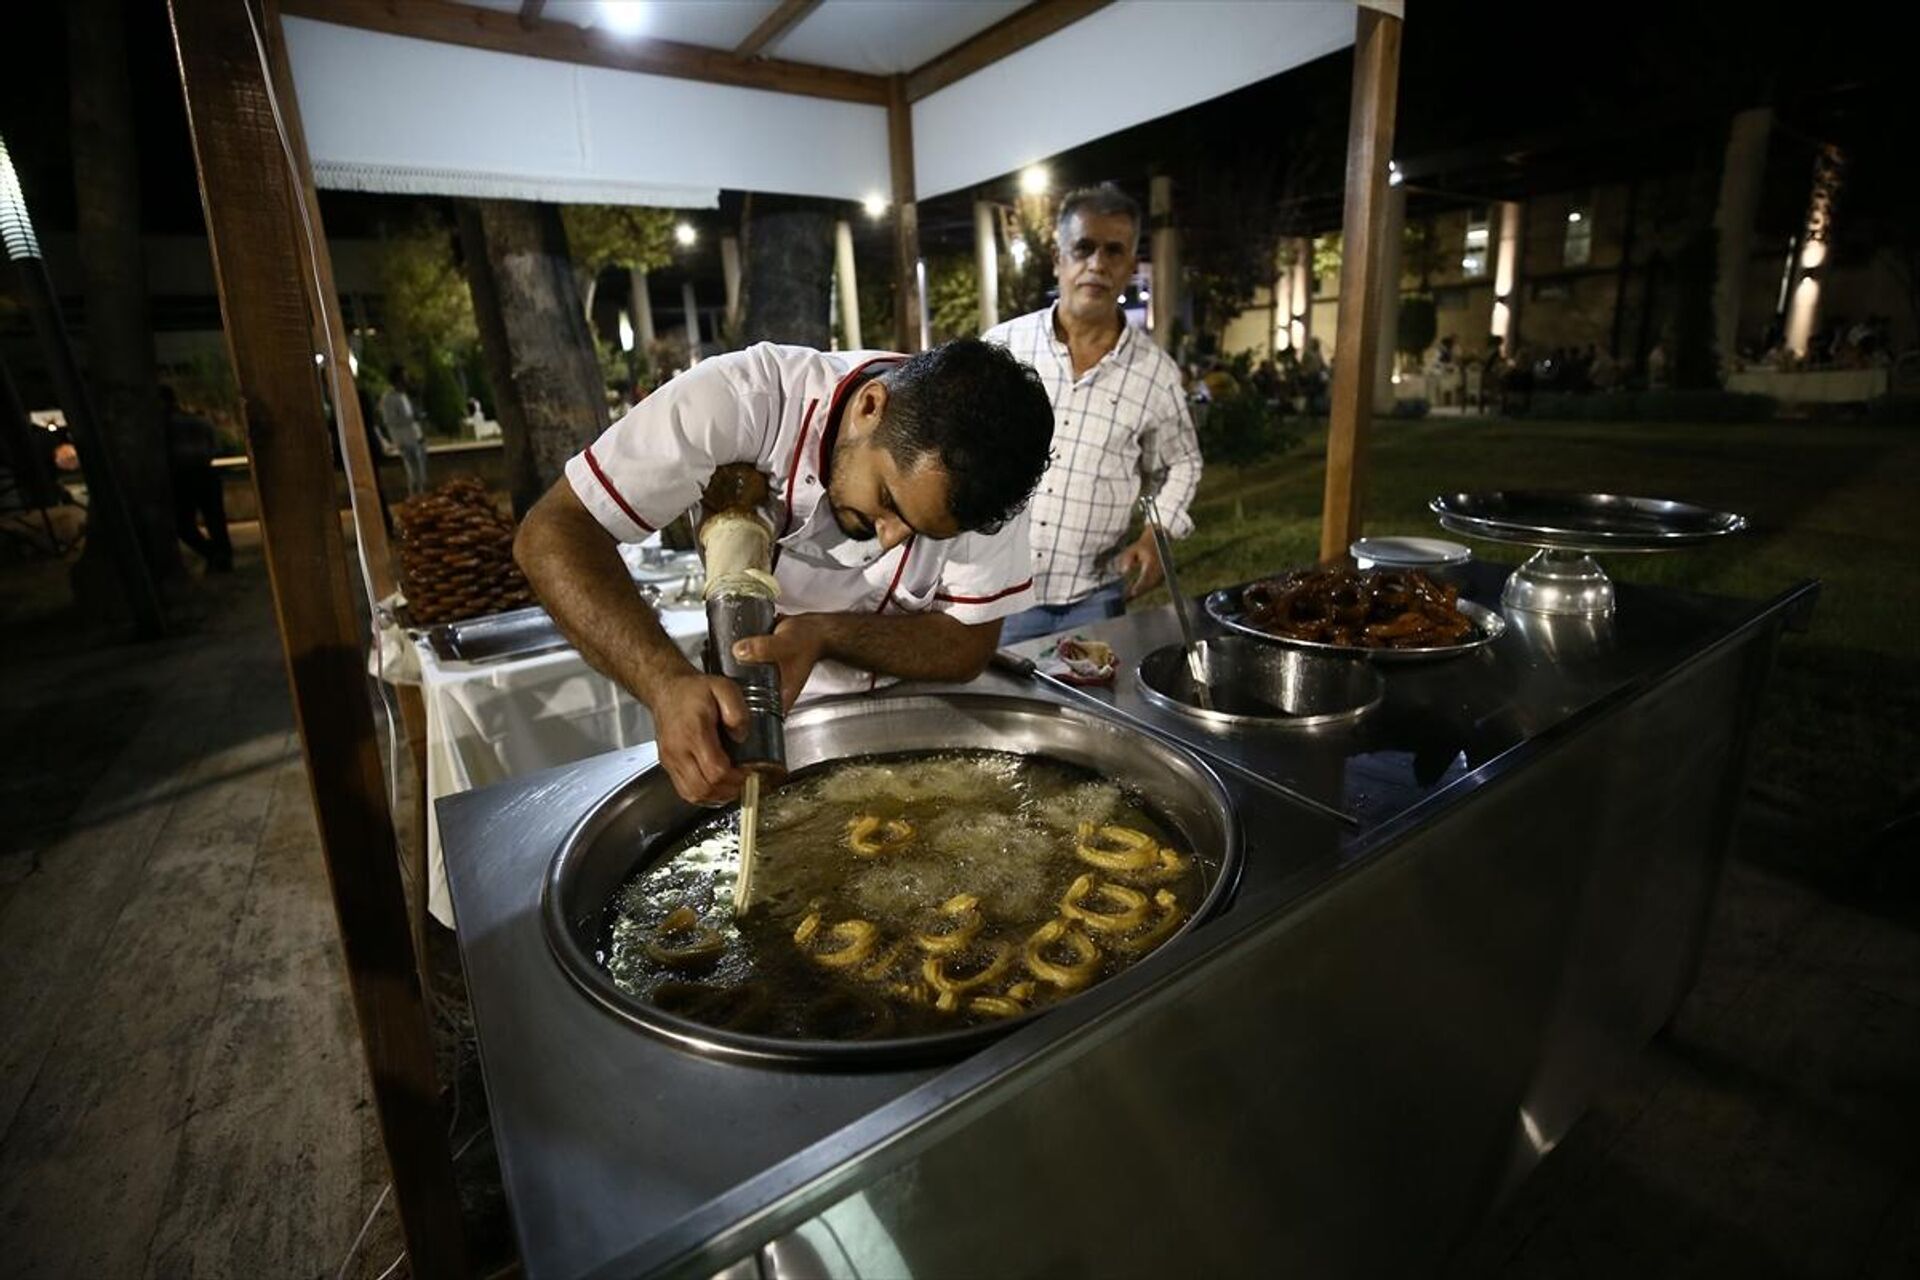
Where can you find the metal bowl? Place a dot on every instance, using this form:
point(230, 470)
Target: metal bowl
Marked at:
point(639, 821)
point(1252, 684)
point(1223, 606)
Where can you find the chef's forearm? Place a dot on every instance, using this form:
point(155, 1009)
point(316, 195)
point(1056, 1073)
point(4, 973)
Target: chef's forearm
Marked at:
point(927, 646)
point(576, 569)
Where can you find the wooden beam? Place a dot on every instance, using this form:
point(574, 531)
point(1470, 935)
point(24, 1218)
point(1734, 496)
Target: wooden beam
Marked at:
point(790, 14)
point(1009, 35)
point(262, 255)
point(906, 219)
point(530, 12)
point(1376, 81)
point(479, 28)
point(363, 477)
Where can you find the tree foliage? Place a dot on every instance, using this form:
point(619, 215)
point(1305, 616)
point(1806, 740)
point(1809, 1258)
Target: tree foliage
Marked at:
point(600, 236)
point(427, 311)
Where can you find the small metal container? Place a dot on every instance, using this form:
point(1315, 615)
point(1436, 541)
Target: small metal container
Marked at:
point(1265, 686)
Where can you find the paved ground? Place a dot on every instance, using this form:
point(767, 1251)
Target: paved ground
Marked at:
point(182, 1094)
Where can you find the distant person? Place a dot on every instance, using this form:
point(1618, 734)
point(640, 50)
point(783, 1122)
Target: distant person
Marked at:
point(197, 496)
point(1657, 367)
point(1122, 426)
point(401, 427)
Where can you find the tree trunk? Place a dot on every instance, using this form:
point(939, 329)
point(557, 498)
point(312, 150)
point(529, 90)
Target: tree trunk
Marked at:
point(787, 293)
point(540, 356)
point(119, 339)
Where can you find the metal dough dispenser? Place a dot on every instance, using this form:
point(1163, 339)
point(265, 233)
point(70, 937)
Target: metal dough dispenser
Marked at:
point(735, 534)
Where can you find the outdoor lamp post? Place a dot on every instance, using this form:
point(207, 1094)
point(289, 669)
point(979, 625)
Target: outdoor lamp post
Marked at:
point(106, 503)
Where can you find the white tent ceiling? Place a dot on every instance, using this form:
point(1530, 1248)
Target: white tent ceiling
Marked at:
point(388, 112)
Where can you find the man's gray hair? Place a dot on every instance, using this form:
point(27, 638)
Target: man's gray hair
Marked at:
point(1103, 200)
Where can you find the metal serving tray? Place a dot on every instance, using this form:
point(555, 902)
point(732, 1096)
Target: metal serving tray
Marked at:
point(1223, 606)
point(1582, 521)
point(518, 633)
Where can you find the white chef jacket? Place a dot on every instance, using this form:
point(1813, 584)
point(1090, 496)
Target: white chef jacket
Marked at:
point(779, 409)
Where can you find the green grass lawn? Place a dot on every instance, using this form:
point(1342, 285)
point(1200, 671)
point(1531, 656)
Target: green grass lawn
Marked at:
point(1839, 745)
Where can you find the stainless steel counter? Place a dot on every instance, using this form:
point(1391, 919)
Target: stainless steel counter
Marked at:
point(1388, 1024)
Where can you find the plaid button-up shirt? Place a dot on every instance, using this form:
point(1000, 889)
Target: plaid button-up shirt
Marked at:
point(1121, 428)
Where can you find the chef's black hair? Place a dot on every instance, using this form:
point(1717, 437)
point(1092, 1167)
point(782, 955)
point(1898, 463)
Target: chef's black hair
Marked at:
point(984, 414)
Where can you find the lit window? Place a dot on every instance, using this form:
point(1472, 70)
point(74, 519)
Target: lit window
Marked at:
point(1577, 250)
point(1473, 260)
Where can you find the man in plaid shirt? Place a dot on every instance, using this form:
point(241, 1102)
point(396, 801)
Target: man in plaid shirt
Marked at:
point(1120, 426)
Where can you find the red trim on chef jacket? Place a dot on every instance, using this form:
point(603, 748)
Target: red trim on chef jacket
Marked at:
point(593, 465)
point(998, 595)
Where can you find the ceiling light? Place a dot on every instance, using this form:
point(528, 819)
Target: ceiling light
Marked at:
point(875, 205)
point(1035, 180)
point(684, 235)
point(625, 18)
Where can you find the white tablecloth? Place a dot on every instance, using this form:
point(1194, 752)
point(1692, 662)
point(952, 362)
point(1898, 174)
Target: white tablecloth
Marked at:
point(487, 722)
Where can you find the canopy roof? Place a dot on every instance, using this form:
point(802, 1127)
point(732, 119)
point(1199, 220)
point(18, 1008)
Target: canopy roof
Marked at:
point(553, 101)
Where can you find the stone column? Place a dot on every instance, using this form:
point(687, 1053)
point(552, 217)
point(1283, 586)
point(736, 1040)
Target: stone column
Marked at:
point(730, 273)
point(1741, 175)
point(640, 305)
point(1389, 347)
point(1506, 274)
point(848, 286)
point(692, 308)
point(1300, 325)
point(986, 258)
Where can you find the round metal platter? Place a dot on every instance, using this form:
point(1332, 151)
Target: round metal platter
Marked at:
point(1581, 521)
point(1224, 607)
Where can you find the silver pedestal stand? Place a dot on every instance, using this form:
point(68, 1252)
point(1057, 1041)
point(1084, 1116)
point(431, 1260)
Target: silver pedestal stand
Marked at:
point(1562, 578)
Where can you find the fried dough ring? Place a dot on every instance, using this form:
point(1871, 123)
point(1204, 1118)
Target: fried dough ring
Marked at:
point(702, 948)
point(1162, 927)
point(856, 939)
point(1115, 848)
point(964, 908)
point(996, 1006)
point(1085, 895)
point(934, 970)
point(869, 837)
point(1068, 977)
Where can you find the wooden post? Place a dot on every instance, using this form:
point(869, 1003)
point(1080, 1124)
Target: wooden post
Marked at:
point(1376, 79)
point(363, 478)
point(1166, 260)
point(906, 219)
point(986, 258)
point(849, 285)
point(263, 265)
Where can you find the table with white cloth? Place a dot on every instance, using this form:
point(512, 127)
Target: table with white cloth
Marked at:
point(490, 721)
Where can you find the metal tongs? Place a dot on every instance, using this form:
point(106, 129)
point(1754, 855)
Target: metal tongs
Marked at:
point(1182, 607)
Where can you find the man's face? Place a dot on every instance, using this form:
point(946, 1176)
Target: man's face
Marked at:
point(872, 495)
point(1093, 262)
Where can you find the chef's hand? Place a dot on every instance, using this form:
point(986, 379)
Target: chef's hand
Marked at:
point(1139, 564)
point(688, 711)
point(795, 645)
